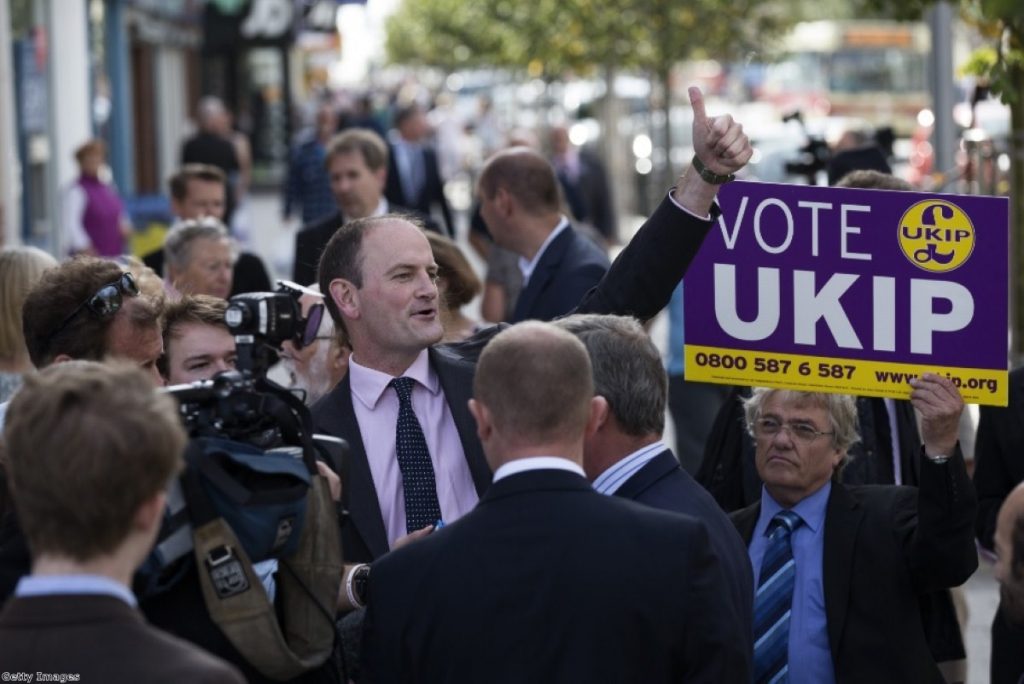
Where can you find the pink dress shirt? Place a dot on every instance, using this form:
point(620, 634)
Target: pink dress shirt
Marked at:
point(376, 409)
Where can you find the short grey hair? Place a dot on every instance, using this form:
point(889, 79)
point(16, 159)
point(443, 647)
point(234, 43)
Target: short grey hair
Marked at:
point(177, 245)
point(841, 408)
point(627, 369)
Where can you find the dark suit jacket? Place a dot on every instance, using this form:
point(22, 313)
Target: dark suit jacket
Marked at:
point(998, 468)
point(102, 639)
point(590, 196)
point(569, 267)
point(663, 484)
point(431, 193)
point(639, 284)
point(311, 240)
point(886, 549)
point(548, 581)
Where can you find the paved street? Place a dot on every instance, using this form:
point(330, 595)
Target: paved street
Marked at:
point(274, 241)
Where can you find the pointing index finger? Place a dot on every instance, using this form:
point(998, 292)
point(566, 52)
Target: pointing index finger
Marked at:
point(697, 102)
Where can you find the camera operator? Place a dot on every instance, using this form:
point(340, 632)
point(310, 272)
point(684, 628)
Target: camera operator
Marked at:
point(90, 450)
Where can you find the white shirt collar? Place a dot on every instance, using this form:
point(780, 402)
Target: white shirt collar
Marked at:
point(382, 208)
point(522, 465)
point(527, 267)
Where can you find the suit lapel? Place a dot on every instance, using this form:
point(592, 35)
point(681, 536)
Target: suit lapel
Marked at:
point(842, 521)
point(358, 492)
point(745, 521)
point(655, 469)
point(456, 378)
point(542, 274)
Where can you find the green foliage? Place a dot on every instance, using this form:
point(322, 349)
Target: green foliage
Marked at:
point(551, 37)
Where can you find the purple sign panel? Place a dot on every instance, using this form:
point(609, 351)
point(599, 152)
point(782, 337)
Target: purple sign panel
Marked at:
point(849, 290)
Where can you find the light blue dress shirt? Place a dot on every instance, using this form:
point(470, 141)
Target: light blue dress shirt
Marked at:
point(810, 659)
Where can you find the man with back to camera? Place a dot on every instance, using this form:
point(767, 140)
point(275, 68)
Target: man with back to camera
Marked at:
point(380, 276)
point(546, 580)
point(522, 207)
point(626, 457)
point(90, 449)
point(841, 570)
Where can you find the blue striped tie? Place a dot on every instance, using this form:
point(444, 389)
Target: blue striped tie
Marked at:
point(773, 601)
point(418, 485)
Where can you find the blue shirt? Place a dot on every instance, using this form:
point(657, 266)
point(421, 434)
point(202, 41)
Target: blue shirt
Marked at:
point(676, 361)
point(610, 480)
point(49, 585)
point(308, 184)
point(810, 659)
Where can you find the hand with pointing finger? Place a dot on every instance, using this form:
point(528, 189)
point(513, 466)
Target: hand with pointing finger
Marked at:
point(718, 141)
point(721, 146)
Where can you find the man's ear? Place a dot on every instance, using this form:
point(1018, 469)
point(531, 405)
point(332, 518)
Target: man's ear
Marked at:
point(150, 513)
point(61, 358)
point(346, 297)
point(484, 426)
point(599, 413)
point(504, 201)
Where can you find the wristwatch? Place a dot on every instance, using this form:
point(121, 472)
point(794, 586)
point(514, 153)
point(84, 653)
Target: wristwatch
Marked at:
point(360, 583)
point(708, 175)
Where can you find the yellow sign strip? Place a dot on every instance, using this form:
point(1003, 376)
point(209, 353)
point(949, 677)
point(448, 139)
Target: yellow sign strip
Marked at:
point(825, 374)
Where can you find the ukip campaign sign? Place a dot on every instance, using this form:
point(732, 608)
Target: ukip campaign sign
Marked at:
point(852, 291)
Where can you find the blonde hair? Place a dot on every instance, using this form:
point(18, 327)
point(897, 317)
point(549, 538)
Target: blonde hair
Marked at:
point(20, 269)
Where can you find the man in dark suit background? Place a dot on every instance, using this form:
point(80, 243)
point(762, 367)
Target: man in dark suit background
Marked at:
point(862, 559)
point(584, 181)
point(355, 164)
point(378, 278)
point(90, 449)
point(625, 456)
point(998, 469)
point(546, 580)
point(414, 178)
point(522, 206)
point(212, 145)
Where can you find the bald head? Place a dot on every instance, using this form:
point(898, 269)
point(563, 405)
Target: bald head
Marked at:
point(535, 381)
point(526, 176)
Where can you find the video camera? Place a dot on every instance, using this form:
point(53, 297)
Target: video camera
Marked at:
point(815, 156)
point(234, 404)
point(251, 440)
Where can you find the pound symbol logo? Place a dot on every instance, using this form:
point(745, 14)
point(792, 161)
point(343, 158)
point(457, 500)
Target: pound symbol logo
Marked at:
point(936, 236)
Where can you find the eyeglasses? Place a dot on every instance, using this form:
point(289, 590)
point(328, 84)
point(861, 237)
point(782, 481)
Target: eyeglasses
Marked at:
point(801, 432)
point(312, 328)
point(106, 302)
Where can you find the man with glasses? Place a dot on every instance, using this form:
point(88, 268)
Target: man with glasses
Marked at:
point(840, 571)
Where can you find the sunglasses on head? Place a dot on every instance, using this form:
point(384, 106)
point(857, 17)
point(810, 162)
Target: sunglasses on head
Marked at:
point(105, 302)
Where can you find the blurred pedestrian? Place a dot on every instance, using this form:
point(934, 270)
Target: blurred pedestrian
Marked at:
point(93, 215)
point(20, 269)
point(210, 145)
point(585, 184)
point(308, 187)
point(414, 177)
point(198, 259)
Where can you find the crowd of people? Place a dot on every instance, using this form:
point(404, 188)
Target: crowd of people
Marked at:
point(507, 508)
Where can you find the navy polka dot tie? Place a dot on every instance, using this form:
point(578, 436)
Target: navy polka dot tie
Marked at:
point(421, 506)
